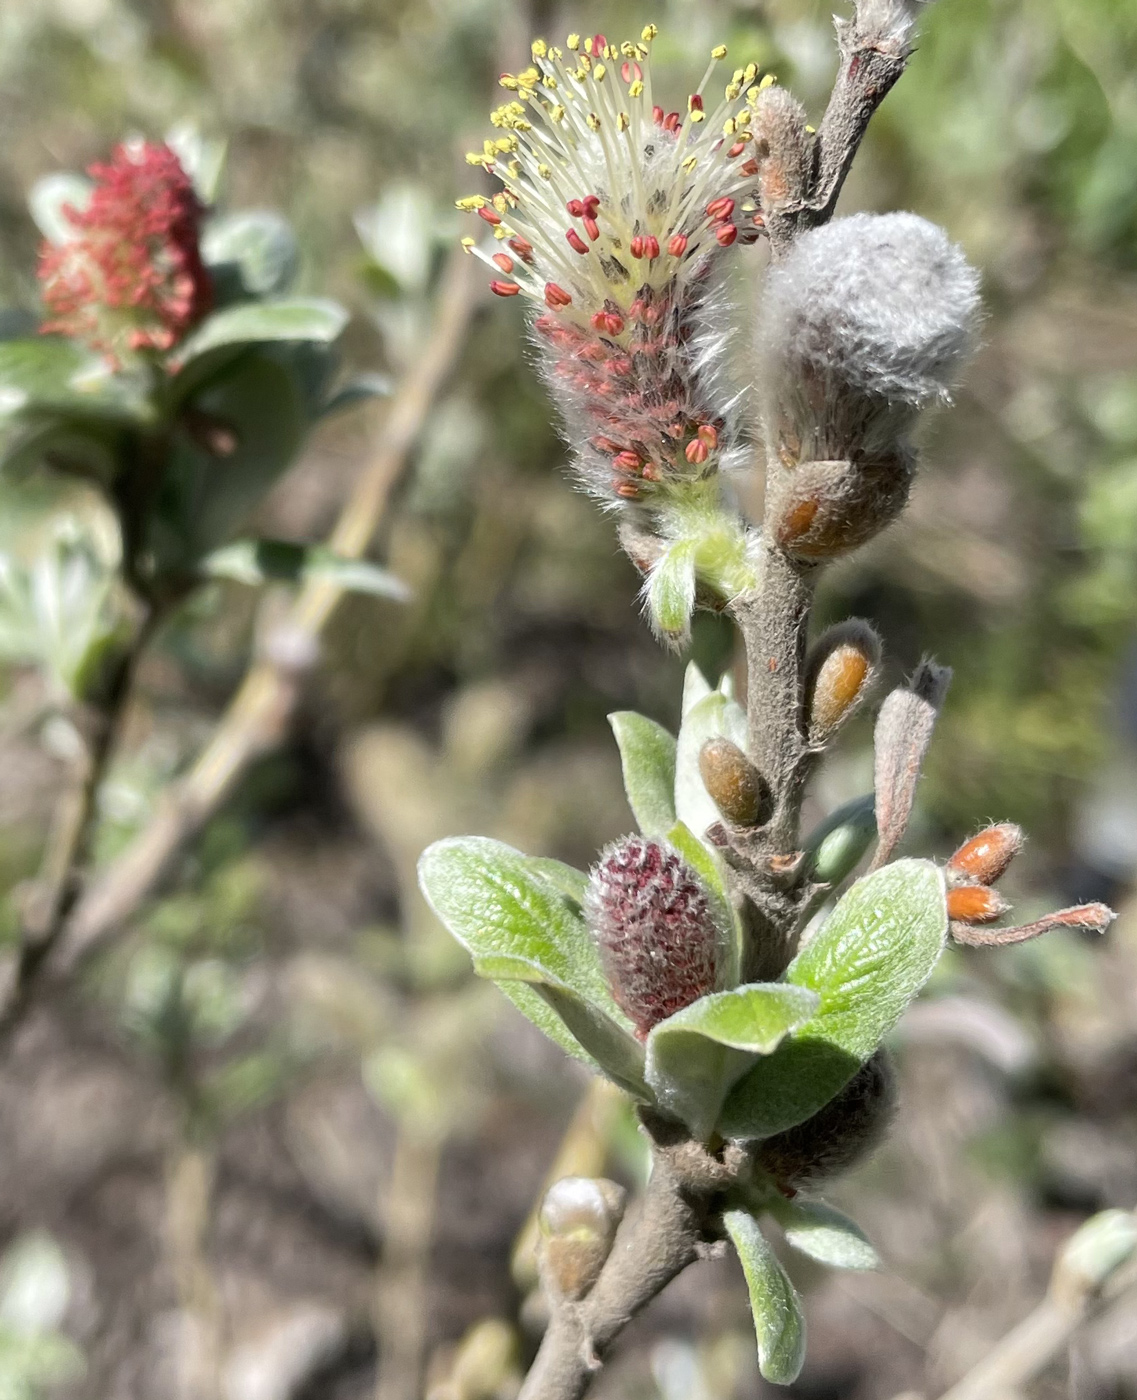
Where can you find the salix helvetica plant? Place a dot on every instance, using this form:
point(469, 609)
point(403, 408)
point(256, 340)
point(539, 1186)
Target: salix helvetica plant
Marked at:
point(678, 966)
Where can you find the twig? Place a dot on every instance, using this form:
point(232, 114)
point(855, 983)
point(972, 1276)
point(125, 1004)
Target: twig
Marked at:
point(189, 1193)
point(259, 714)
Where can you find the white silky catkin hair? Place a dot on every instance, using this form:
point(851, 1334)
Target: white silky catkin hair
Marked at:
point(866, 320)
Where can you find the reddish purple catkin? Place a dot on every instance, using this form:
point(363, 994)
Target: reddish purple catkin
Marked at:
point(652, 920)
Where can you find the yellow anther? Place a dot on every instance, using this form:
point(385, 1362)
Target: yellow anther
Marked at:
point(468, 244)
point(718, 52)
point(689, 164)
point(752, 95)
point(529, 79)
point(648, 32)
point(503, 231)
point(506, 144)
point(509, 82)
point(471, 202)
point(586, 62)
point(557, 113)
point(611, 52)
point(628, 49)
point(593, 121)
point(588, 46)
point(738, 75)
point(768, 81)
point(743, 117)
point(750, 73)
point(811, 130)
point(556, 55)
point(728, 127)
point(698, 116)
point(550, 81)
point(514, 168)
point(573, 41)
point(544, 172)
point(641, 52)
point(732, 91)
point(635, 88)
point(598, 72)
point(500, 203)
point(623, 121)
point(489, 150)
point(539, 48)
point(474, 158)
point(580, 74)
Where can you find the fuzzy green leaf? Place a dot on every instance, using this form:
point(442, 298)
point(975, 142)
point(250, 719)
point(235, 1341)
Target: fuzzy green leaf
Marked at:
point(696, 1055)
point(260, 246)
point(49, 374)
point(713, 716)
point(671, 591)
point(647, 753)
point(571, 882)
point(870, 958)
point(254, 322)
point(824, 1234)
point(778, 1321)
point(519, 927)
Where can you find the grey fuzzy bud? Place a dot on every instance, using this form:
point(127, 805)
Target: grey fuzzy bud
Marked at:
point(887, 22)
point(577, 1221)
point(903, 732)
point(866, 320)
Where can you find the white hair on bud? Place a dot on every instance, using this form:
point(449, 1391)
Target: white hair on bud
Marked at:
point(885, 302)
point(887, 21)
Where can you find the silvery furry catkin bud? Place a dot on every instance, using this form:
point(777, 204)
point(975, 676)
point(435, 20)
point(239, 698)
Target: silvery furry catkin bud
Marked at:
point(658, 939)
point(903, 732)
point(577, 1221)
point(863, 323)
point(849, 1127)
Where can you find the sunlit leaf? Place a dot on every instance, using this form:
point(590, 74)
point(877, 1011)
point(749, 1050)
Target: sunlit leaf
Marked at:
point(647, 753)
point(778, 1321)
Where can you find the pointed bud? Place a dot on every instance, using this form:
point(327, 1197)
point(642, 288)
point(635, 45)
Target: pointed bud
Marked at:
point(821, 509)
point(975, 904)
point(849, 1127)
point(735, 786)
point(903, 733)
point(841, 840)
point(577, 1221)
point(840, 672)
point(985, 857)
point(658, 940)
point(1083, 918)
point(780, 133)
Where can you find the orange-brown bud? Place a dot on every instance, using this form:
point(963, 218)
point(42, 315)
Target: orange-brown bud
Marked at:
point(823, 509)
point(975, 904)
point(985, 857)
point(735, 786)
point(840, 672)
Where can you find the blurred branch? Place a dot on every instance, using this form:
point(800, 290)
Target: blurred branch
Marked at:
point(259, 715)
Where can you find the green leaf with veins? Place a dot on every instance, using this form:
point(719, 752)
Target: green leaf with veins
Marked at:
point(866, 963)
point(696, 1055)
point(823, 1233)
point(519, 927)
point(255, 322)
point(647, 753)
point(778, 1322)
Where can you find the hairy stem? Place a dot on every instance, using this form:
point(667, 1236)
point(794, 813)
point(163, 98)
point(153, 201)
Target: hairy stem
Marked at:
point(655, 1243)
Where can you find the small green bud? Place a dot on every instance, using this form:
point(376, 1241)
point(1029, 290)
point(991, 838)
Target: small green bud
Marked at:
point(1093, 1253)
point(841, 840)
point(578, 1221)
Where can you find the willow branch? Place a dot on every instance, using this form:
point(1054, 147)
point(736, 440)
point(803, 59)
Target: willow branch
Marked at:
point(258, 718)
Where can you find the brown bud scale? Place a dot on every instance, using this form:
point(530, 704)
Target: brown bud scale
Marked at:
point(983, 858)
point(734, 784)
point(975, 904)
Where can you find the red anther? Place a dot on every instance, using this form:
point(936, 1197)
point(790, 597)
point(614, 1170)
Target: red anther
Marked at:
point(725, 235)
point(591, 227)
point(575, 208)
point(522, 247)
point(652, 315)
point(736, 149)
point(627, 462)
point(504, 261)
point(621, 365)
point(750, 168)
point(636, 310)
point(575, 242)
point(599, 43)
point(708, 433)
point(504, 289)
point(651, 472)
point(591, 203)
point(657, 115)
point(608, 321)
point(758, 221)
point(556, 296)
point(695, 103)
point(491, 216)
point(636, 248)
point(626, 488)
point(631, 72)
point(696, 452)
point(674, 430)
point(605, 444)
point(720, 208)
point(671, 121)
point(677, 245)
point(651, 246)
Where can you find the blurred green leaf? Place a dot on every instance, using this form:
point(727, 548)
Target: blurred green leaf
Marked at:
point(778, 1321)
point(254, 322)
point(836, 845)
point(699, 1053)
point(823, 1233)
point(869, 959)
point(49, 199)
point(202, 158)
point(362, 389)
point(257, 562)
point(259, 244)
point(647, 753)
point(50, 374)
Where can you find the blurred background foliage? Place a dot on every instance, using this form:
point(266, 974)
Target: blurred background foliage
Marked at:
point(279, 1144)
